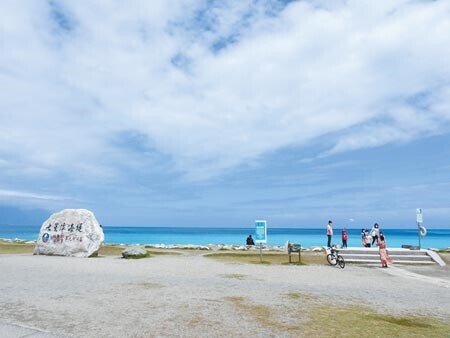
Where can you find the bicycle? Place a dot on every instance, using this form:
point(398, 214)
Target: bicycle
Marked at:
point(334, 258)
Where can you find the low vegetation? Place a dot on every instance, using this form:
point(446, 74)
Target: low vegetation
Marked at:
point(445, 257)
point(351, 321)
point(105, 250)
point(307, 258)
point(16, 248)
point(238, 257)
point(306, 315)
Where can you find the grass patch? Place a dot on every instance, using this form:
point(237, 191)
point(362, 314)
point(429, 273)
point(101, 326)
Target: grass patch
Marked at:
point(16, 248)
point(307, 315)
point(263, 314)
point(307, 297)
point(260, 312)
point(110, 250)
point(351, 321)
point(401, 321)
point(105, 250)
point(308, 258)
point(162, 252)
point(445, 256)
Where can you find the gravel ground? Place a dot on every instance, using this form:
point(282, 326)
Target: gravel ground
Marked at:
point(193, 296)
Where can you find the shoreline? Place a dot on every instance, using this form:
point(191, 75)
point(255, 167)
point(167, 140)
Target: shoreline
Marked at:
point(213, 247)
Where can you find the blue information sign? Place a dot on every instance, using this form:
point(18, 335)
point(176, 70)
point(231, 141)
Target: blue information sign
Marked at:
point(260, 231)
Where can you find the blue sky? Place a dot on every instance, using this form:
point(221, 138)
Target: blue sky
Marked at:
point(217, 113)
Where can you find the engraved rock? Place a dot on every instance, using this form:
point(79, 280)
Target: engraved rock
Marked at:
point(70, 232)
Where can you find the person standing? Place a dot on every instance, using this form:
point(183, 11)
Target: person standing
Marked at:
point(375, 232)
point(384, 256)
point(329, 233)
point(344, 238)
point(363, 237)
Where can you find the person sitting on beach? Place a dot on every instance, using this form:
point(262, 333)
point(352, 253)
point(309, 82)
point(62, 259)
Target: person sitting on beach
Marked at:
point(384, 256)
point(250, 240)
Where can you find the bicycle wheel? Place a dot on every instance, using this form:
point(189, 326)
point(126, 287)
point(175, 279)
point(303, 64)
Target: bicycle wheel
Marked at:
point(331, 259)
point(341, 261)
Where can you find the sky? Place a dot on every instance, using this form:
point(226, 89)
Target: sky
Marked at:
point(219, 113)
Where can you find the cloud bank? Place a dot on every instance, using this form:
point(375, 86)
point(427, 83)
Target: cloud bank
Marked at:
point(197, 88)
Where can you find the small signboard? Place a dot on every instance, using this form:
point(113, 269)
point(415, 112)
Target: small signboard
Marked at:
point(419, 215)
point(260, 232)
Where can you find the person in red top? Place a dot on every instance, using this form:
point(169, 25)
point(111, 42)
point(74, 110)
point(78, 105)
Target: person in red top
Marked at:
point(344, 238)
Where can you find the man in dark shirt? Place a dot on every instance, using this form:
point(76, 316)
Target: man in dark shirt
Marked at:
point(250, 240)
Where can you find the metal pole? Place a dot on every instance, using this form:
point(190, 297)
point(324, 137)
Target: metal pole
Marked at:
point(260, 252)
point(418, 232)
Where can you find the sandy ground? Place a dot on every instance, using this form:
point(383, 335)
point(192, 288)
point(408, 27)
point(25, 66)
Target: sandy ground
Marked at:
point(192, 296)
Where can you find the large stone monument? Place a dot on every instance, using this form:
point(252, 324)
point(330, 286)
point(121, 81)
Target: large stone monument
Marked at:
point(70, 232)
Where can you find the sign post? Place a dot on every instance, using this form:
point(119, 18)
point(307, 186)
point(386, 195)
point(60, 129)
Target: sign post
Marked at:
point(419, 219)
point(260, 235)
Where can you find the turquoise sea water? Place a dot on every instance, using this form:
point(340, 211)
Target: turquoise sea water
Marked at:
point(307, 237)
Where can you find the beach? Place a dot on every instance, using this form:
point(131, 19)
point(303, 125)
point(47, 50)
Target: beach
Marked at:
point(186, 294)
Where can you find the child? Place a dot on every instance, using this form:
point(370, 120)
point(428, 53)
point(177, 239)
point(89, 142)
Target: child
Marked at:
point(344, 238)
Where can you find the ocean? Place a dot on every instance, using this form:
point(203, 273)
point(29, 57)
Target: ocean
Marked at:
point(307, 237)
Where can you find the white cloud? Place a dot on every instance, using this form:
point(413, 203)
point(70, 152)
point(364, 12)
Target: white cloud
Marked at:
point(345, 73)
point(29, 195)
